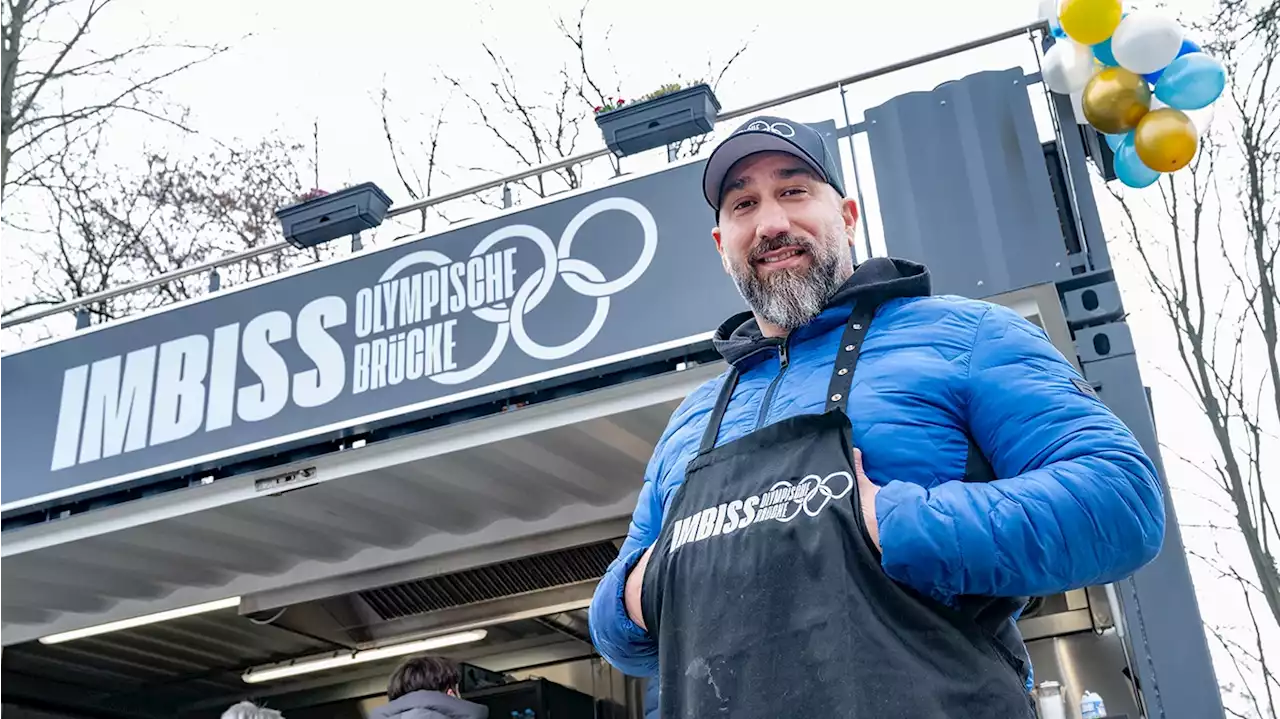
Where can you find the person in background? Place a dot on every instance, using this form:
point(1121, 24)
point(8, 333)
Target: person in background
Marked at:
point(427, 688)
point(249, 710)
point(848, 522)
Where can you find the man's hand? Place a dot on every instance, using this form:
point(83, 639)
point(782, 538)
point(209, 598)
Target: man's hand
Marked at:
point(631, 594)
point(867, 491)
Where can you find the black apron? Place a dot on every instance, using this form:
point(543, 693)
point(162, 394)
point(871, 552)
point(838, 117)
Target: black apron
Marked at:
point(767, 596)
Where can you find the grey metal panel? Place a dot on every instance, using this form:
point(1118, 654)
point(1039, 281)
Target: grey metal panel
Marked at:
point(1162, 617)
point(962, 185)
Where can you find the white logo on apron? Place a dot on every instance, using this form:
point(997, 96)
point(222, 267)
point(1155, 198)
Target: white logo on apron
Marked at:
point(783, 502)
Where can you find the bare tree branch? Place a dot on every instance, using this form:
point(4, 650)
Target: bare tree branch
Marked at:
point(109, 79)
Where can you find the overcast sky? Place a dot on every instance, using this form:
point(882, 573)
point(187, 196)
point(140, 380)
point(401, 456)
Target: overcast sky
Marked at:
point(306, 65)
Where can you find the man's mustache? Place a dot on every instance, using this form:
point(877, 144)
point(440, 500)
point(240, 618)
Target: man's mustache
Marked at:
point(780, 242)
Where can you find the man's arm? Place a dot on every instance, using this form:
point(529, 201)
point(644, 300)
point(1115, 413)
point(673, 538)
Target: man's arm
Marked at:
point(618, 638)
point(1079, 502)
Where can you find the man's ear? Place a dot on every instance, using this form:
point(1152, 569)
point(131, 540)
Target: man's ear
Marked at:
point(724, 261)
point(849, 210)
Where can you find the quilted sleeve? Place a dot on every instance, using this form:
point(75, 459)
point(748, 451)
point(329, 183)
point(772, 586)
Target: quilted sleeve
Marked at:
point(1078, 503)
point(619, 640)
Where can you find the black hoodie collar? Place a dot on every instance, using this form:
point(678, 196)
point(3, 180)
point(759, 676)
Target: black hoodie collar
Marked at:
point(876, 280)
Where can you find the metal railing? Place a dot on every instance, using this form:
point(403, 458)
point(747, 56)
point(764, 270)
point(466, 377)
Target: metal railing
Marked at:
point(426, 202)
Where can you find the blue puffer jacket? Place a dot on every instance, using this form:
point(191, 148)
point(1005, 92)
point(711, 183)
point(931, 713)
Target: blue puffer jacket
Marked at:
point(1077, 502)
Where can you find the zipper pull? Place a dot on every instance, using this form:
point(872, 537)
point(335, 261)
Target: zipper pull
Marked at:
point(782, 354)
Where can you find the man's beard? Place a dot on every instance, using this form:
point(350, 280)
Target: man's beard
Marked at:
point(790, 298)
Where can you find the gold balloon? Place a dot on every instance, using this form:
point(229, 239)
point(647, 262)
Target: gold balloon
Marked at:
point(1115, 100)
point(1166, 140)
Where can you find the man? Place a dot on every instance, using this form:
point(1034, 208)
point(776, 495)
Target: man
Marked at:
point(427, 688)
point(848, 521)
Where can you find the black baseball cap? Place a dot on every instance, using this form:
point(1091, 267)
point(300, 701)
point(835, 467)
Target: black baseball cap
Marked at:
point(765, 133)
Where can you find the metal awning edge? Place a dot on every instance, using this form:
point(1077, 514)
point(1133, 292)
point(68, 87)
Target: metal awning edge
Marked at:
point(372, 457)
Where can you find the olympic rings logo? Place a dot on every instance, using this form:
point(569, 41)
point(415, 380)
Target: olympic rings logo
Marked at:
point(580, 276)
point(834, 486)
point(778, 128)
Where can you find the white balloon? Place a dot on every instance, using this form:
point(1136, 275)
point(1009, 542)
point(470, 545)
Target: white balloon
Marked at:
point(1077, 107)
point(1068, 67)
point(1146, 42)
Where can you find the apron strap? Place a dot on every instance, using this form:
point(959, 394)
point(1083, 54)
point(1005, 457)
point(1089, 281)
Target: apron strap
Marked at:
point(712, 431)
point(841, 374)
point(848, 352)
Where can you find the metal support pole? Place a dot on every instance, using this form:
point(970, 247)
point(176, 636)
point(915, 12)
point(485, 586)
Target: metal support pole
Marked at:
point(506, 197)
point(857, 179)
point(356, 243)
point(1163, 626)
point(673, 151)
point(82, 318)
point(215, 280)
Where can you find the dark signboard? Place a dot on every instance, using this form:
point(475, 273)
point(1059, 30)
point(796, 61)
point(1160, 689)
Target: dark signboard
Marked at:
point(584, 281)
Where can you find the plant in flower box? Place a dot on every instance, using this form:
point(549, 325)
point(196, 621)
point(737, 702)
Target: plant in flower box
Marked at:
point(667, 115)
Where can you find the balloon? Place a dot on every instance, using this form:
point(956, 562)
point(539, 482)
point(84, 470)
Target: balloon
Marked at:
point(1077, 107)
point(1146, 42)
point(1191, 82)
point(1113, 141)
point(1102, 51)
point(1115, 100)
point(1048, 11)
point(1067, 67)
point(1202, 118)
point(1188, 46)
point(1129, 167)
point(1166, 140)
point(1089, 22)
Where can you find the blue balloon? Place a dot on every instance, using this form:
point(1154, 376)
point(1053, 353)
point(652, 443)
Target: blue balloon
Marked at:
point(1055, 28)
point(1129, 168)
point(1191, 82)
point(1188, 46)
point(1113, 141)
point(1102, 51)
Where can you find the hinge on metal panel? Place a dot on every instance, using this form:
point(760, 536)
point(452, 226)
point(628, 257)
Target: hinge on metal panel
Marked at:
point(284, 481)
point(1090, 300)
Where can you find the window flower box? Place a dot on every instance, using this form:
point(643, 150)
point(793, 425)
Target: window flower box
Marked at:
point(322, 217)
point(660, 119)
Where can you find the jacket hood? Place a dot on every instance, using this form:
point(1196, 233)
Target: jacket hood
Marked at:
point(876, 280)
point(430, 705)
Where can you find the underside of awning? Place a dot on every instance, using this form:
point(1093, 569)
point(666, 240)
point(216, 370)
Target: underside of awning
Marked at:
point(534, 479)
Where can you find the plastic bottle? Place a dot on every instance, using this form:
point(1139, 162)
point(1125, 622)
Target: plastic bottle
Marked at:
point(1091, 706)
point(1049, 701)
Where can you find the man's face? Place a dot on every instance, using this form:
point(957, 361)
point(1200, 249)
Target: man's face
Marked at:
point(785, 237)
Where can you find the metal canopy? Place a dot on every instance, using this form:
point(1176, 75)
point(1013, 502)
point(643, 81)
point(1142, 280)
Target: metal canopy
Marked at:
point(553, 474)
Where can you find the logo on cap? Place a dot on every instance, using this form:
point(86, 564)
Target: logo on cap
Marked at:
point(778, 128)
